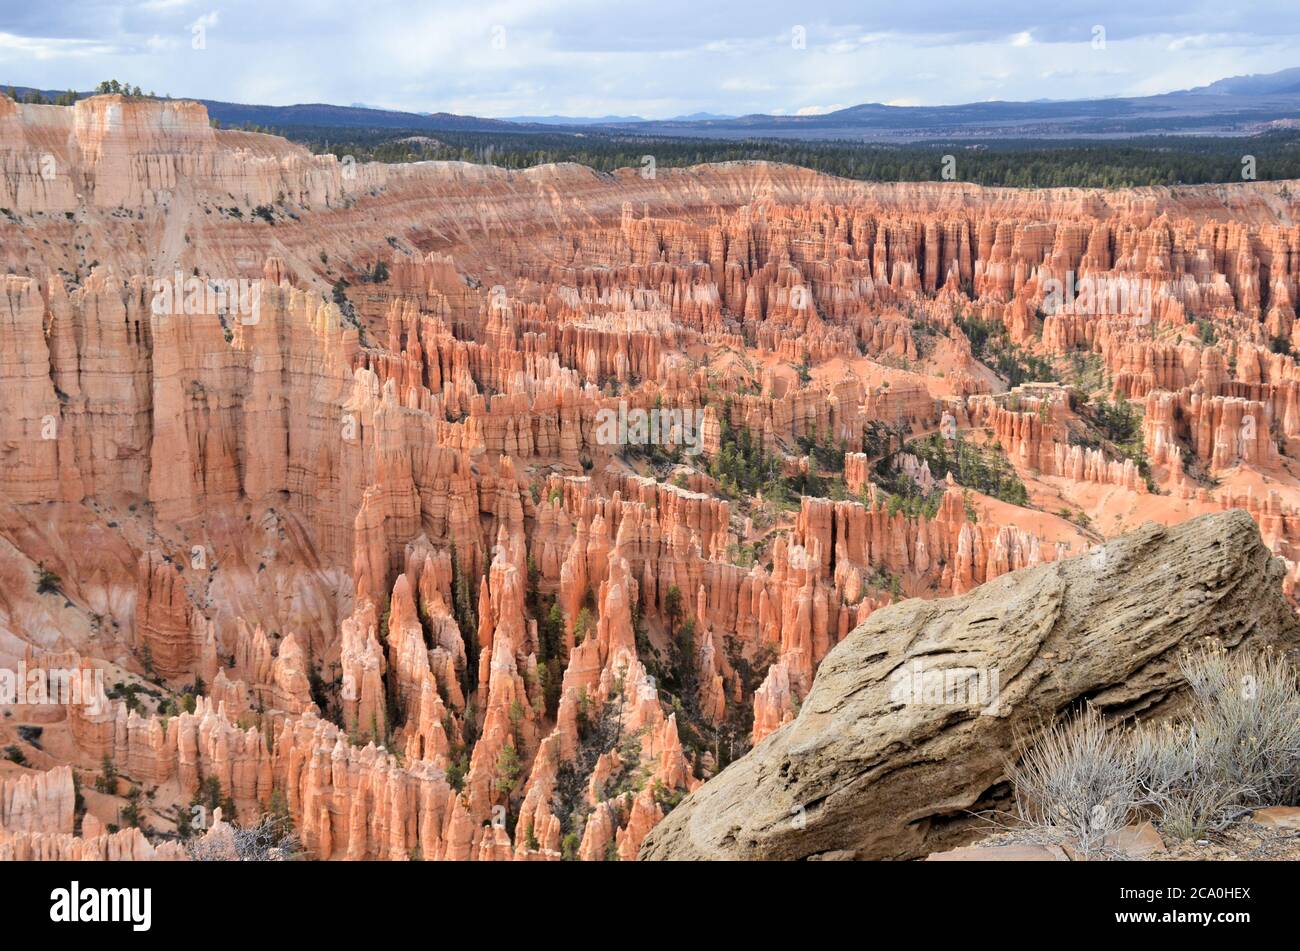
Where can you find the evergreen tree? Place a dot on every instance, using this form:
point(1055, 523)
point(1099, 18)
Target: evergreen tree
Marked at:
point(673, 608)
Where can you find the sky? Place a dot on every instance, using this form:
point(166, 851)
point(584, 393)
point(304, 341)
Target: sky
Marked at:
point(636, 57)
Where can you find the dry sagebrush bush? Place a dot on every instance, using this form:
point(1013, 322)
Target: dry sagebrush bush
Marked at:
point(1182, 782)
point(1237, 748)
point(1246, 714)
point(1078, 780)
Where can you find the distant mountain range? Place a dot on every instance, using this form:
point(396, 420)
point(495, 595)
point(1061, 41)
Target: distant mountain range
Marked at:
point(611, 120)
point(1236, 105)
point(1230, 106)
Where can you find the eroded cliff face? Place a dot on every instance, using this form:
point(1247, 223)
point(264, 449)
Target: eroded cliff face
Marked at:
point(465, 513)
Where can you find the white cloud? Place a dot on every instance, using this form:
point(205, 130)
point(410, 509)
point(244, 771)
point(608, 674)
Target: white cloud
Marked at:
point(628, 57)
point(42, 48)
point(745, 84)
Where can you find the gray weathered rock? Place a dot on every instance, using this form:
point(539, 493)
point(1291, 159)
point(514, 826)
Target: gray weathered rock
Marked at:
point(866, 768)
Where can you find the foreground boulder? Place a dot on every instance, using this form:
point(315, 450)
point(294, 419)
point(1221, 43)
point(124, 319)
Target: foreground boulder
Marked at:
point(909, 721)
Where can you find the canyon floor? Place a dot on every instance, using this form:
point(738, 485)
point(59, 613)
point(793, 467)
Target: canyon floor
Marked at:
point(450, 512)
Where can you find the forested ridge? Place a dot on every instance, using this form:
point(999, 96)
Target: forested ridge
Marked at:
point(1156, 160)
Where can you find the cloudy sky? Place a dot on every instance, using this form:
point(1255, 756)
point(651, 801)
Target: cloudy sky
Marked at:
point(654, 58)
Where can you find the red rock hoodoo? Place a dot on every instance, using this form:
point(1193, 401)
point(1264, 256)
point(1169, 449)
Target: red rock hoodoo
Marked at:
point(500, 556)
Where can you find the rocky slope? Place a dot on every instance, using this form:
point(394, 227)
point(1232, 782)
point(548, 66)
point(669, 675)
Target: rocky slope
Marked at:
point(309, 464)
